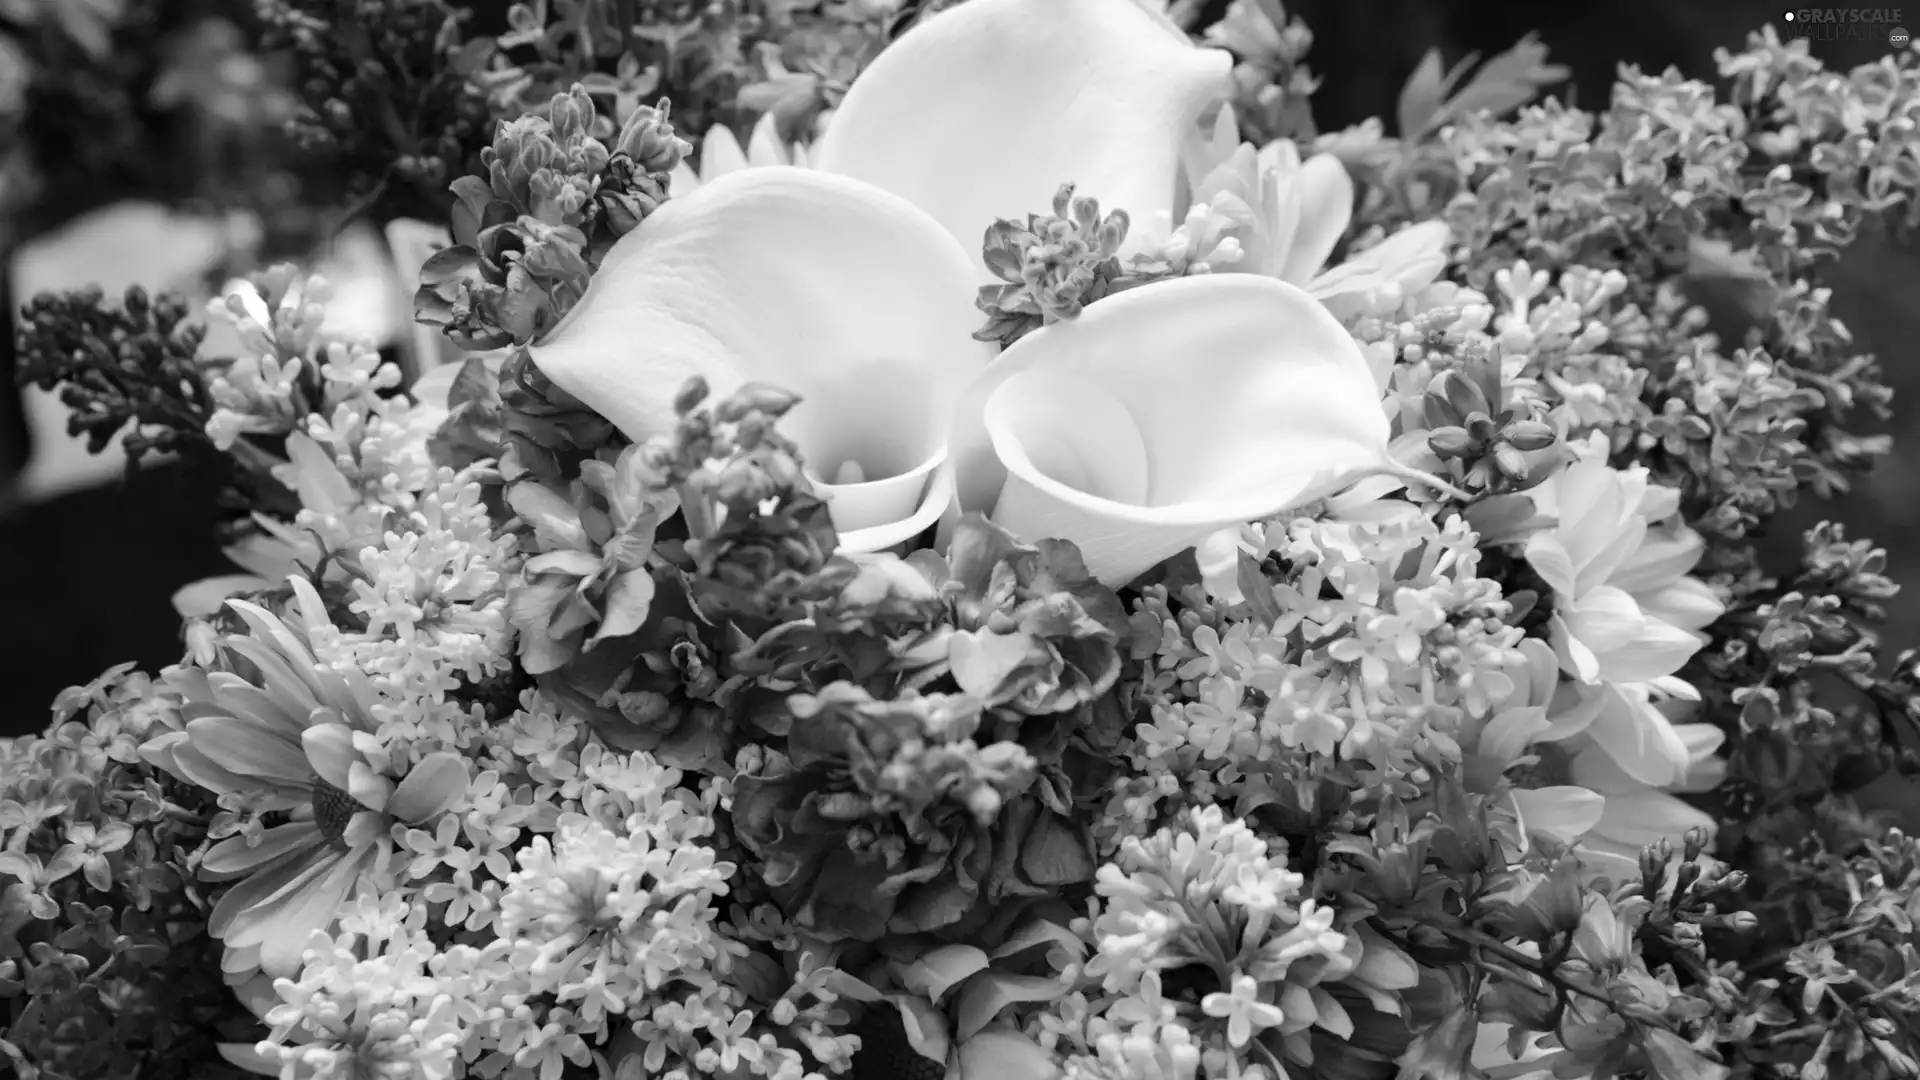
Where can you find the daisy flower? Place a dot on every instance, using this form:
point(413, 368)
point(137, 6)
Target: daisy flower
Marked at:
point(276, 732)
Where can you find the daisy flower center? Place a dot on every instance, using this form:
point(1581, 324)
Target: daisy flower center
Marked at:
point(333, 809)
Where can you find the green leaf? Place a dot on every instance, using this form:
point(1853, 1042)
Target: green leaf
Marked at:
point(1671, 1058)
point(984, 997)
point(1055, 853)
point(1502, 84)
point(942, 969)
point(1426, 89)
point(1042, 932)
point(926, 1028)
point(625, 607)
point(1004, 1054)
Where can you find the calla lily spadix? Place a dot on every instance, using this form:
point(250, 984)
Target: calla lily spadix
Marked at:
point(1157, 416)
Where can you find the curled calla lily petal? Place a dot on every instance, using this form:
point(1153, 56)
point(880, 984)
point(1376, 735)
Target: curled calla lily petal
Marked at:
point(1098, 93)
point(822, 285)
point(1164, 413)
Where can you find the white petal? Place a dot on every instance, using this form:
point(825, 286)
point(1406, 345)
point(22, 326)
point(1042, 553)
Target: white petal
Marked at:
point(1241, 396)
point(1662, 558)
point(365, 289)
point(877, 514)
point(720, 154)
point(765, 146)
point(317, 480)
point(1689, 603)
point(1647, 817)
point(1325, 201)
point(822, 285)
point(985, 110)
point(330, 753)
point(1403, 263)
point(1560, 812)
point(1641, 740)
point(685, 181)
point(208, 595)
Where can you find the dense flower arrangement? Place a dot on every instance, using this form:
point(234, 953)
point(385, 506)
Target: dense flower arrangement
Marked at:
point(1036, 565)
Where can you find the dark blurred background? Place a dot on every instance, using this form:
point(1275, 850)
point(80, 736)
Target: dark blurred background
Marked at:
point(86, 578)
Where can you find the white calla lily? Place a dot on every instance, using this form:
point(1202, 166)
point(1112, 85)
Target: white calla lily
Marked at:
point(834, 290)
point(1158, 416)
point(984, 110)
point(1164, 413)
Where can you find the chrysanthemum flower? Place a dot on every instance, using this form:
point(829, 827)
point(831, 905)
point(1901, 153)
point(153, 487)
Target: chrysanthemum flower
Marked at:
point(1571, 789)
point(1269, 211)
point(1626, 616)
point(277, 732)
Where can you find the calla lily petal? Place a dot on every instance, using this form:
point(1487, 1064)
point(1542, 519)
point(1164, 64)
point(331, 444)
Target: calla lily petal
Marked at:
point(822, 285)
point(1164, 413)
point(1098, 93)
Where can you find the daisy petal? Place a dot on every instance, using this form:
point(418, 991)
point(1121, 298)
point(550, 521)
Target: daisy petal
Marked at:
point(208, 595)
point(367, 787)
point(240, 965)
point(265, 887)
point(249, 750)
point(1647, 817)
point(330, 753)
point(1563, 813)
point(283, 937)
point(1164, 413)
point(248, 1056)
point(1098, 93)
point(433, 785)
point(181, 759)
point(233, 856)
point(823, 286)
point(249, 702)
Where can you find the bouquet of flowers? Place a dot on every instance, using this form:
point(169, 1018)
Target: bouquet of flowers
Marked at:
point(1038, 564)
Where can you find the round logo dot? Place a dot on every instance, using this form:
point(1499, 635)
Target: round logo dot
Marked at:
point(1789, 16)
point(1897, 37)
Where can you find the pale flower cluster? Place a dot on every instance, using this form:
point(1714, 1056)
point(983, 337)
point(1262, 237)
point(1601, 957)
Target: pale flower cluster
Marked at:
point(566, 904)
point(1384, 642)
point(1209, 891)
point(278, 318)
